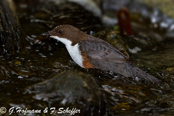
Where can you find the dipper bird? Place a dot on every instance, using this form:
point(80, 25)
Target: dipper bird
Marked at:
point(91, 52)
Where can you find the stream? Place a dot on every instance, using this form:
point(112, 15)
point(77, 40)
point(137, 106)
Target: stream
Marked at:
point(43, 75)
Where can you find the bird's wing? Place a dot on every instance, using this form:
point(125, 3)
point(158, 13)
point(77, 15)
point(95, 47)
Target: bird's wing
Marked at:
point(100, 50)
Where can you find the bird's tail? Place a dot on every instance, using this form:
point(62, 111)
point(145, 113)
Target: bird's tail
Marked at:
point(129, 70)
point(126, 69)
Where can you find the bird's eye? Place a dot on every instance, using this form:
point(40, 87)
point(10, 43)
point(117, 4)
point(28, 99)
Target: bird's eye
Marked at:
point(60, 32)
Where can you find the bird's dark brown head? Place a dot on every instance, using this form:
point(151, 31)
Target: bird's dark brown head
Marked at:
point(68, 32)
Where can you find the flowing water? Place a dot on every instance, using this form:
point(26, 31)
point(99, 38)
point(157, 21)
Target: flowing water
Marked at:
point(37, 62)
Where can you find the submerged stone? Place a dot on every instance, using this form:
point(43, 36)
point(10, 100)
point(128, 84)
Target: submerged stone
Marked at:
point(71, 90)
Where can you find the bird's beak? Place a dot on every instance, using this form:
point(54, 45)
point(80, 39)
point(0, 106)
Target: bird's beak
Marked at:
point(49, 33)
point(46, 35)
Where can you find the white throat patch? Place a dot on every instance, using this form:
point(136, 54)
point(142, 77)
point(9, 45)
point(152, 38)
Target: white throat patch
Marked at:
point(73, 50)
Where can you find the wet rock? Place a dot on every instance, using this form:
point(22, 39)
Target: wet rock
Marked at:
point(90, 5)
point(10, 33)
point(71, 90)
